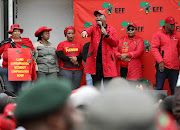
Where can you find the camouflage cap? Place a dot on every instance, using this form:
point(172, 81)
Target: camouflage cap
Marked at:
point(44, 97)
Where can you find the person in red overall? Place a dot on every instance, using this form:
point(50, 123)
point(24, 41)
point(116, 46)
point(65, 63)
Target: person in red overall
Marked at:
point(166, 51)
point(69, 54)
point(128, 54)
point(15, 41)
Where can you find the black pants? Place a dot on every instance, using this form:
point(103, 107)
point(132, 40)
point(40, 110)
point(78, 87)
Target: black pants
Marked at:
point(172, 76)
point(124, 72)
point(99, 75)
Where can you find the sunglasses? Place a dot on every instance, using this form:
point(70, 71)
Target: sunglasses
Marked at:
point(130, 29)
point(172, 24)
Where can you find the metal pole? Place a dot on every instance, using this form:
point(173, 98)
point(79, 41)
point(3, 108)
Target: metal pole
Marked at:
point(5, 19)
point(10, 12)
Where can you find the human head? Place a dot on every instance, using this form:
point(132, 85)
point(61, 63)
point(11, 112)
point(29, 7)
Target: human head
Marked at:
point(131, 30)
point(117, 109)
point(83, 96)
point(43, 33)
point(15, 31)
point(46, 104)
point(176, 105)
point(15, 26)
point(100, 16)
point(169, 24)
point(167, 104)
point(69, 33)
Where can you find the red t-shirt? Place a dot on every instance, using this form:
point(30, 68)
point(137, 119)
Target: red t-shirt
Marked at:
point(70, 49)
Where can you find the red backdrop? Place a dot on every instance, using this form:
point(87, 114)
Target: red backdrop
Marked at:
point(148, 15)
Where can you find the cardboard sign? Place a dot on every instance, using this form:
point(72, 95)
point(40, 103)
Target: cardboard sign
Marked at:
point(18, 67)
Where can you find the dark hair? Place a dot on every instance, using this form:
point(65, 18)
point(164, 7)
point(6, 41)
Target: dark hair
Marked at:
point(167, 104)
point(39, 36)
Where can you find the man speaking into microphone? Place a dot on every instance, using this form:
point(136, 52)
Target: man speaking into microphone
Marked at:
point(100, 62)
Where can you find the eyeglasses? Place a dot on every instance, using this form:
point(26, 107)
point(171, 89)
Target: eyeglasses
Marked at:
point(132, 29)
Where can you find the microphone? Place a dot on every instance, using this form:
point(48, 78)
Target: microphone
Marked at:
point(100, 23)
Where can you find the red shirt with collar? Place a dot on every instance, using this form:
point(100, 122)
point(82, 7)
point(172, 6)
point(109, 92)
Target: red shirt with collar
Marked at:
point(170, 44)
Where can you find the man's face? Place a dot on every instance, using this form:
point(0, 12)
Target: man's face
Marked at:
point(100, 17)
point(45, 35)
point(16, 34)
point(170, 27)
point(131, 31)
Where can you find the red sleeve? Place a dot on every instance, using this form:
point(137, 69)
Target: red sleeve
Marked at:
point(178, 46)
point(2, 49)
point(34, 71)
point(129, 55)
point(139, 50)
point(112, 40)
point(90, 30)
point(155, 48)
point(81, 47)
point(60, 47)
point(118, 49)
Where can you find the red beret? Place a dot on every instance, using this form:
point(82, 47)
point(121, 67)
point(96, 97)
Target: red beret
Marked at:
point(67, 28)
point(42, 29)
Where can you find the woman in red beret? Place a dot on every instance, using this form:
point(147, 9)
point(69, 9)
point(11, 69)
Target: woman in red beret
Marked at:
point(15, 41)
point(69, 53)
point(45, 54)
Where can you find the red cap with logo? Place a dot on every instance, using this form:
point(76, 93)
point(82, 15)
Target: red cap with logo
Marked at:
point(170, 20)
point(100, 12)
point(132, 24)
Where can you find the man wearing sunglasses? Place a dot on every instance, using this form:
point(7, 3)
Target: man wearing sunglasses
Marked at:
point(166, 51)
point(128, 54)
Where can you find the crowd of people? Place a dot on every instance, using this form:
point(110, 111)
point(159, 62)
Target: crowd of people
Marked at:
point(50, 104)
point(53, 99)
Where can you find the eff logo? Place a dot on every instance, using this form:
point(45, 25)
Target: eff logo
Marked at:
point(147, 46)
point(108, 6)
point(87, 24)
point(147, 7)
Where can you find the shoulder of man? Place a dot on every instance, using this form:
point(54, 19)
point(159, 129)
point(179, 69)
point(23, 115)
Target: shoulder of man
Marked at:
point(158, 33)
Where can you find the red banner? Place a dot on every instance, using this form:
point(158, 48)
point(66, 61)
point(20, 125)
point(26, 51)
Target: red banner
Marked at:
point(149, 15)
point(18, 67)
